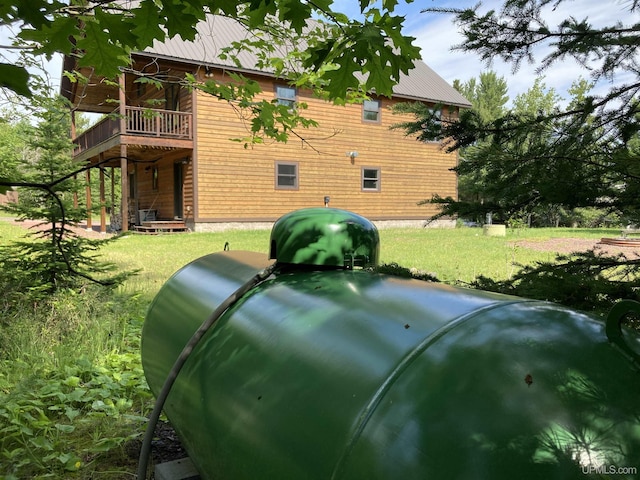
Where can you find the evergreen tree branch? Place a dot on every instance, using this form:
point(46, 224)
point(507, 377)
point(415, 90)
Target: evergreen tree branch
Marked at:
point(58, 233)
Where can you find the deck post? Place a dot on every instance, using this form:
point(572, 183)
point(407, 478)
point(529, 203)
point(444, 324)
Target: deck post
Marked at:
point(88, 197)
point(124, 173)
point(124, 188)
point(103, 208)
point(113, 192)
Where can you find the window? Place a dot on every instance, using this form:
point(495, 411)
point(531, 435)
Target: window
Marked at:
point(371, 111)
point(286, 96)
point(286, 176)
point(371, 179)
point(433, 126)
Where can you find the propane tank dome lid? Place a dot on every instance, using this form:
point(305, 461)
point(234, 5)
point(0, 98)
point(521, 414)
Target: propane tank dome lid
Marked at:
point(325, 237)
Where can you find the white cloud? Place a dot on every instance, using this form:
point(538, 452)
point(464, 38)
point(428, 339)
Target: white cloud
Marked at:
point(436, 34)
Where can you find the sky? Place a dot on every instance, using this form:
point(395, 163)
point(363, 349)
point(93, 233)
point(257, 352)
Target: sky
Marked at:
point(436, 34)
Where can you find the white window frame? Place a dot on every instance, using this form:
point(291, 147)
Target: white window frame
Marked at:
point(279, 175)
point(368, 108)
point(364, 179)
point(286, 100)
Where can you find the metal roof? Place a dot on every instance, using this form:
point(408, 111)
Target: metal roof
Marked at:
point(217, 32)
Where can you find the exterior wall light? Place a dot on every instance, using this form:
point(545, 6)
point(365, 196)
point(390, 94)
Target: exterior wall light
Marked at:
point(353, 154)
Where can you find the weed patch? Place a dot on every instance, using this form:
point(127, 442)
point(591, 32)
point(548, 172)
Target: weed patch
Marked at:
point(64, 421)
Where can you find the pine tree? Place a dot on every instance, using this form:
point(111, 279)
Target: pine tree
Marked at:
point(488, 97)
point(541, 157)
point(51, 256)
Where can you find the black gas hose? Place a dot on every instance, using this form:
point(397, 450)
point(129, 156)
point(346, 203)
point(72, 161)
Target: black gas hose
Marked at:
point(145, 449)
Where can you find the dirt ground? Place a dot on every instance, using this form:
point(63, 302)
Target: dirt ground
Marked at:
point(570, 245)
point(82, 229)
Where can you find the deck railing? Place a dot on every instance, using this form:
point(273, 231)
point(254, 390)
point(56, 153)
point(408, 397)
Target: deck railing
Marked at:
point(103, 130)
point(159, 123)
point(138, 121)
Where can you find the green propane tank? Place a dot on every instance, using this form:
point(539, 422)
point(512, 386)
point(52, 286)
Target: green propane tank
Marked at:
point(327, 371)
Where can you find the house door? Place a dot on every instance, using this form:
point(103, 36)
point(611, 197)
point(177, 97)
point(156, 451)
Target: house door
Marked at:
point(177, 190)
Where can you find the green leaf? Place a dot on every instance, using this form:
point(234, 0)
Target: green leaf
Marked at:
point(389, 5)
point(64, 428)
point(323, 5)
point(180, 20)
point(54, 37)
point(33, 12)
point(342, 78)
point(106, 444)
point(259, 10)
point(70, 461)
point(72, 381)
point(229, 7)
point(12, 454)
point(42, 443)
point(295, 12)
point(15, 78)
point(148, 24)
point(119, 27)
point(378, 79)
point(100, 53)
point(71, 413)
point(98, 405)
point(320, 55)
point(77, 394)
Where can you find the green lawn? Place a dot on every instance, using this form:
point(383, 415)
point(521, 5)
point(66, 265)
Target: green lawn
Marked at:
point(451, 255)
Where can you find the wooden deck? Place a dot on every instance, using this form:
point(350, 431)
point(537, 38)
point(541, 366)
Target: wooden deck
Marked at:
point(621, 242)
point(140, 124)
point(629, 231)
point(161, 226)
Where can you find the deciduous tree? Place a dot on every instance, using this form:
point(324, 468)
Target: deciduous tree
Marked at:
point(103, 34)
point(488, 97)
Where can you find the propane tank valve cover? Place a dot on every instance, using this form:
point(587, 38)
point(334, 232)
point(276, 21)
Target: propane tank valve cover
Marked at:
point(325, 237)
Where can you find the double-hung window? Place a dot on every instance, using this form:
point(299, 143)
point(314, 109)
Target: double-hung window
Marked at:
point(371, 179)
point(286, 175)
point(371, 111)
point(286, 96)
point(433, 126)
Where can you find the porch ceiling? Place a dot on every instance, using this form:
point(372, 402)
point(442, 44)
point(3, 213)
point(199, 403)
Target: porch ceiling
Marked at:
point(96, 95)
point(135, 153)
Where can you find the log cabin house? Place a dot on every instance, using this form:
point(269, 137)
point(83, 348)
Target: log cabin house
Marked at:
point(180, 170)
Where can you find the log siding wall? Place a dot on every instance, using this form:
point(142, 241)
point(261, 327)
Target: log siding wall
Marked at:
point(235, 183)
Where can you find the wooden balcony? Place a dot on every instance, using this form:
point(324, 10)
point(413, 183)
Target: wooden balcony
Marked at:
point(139, 125)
